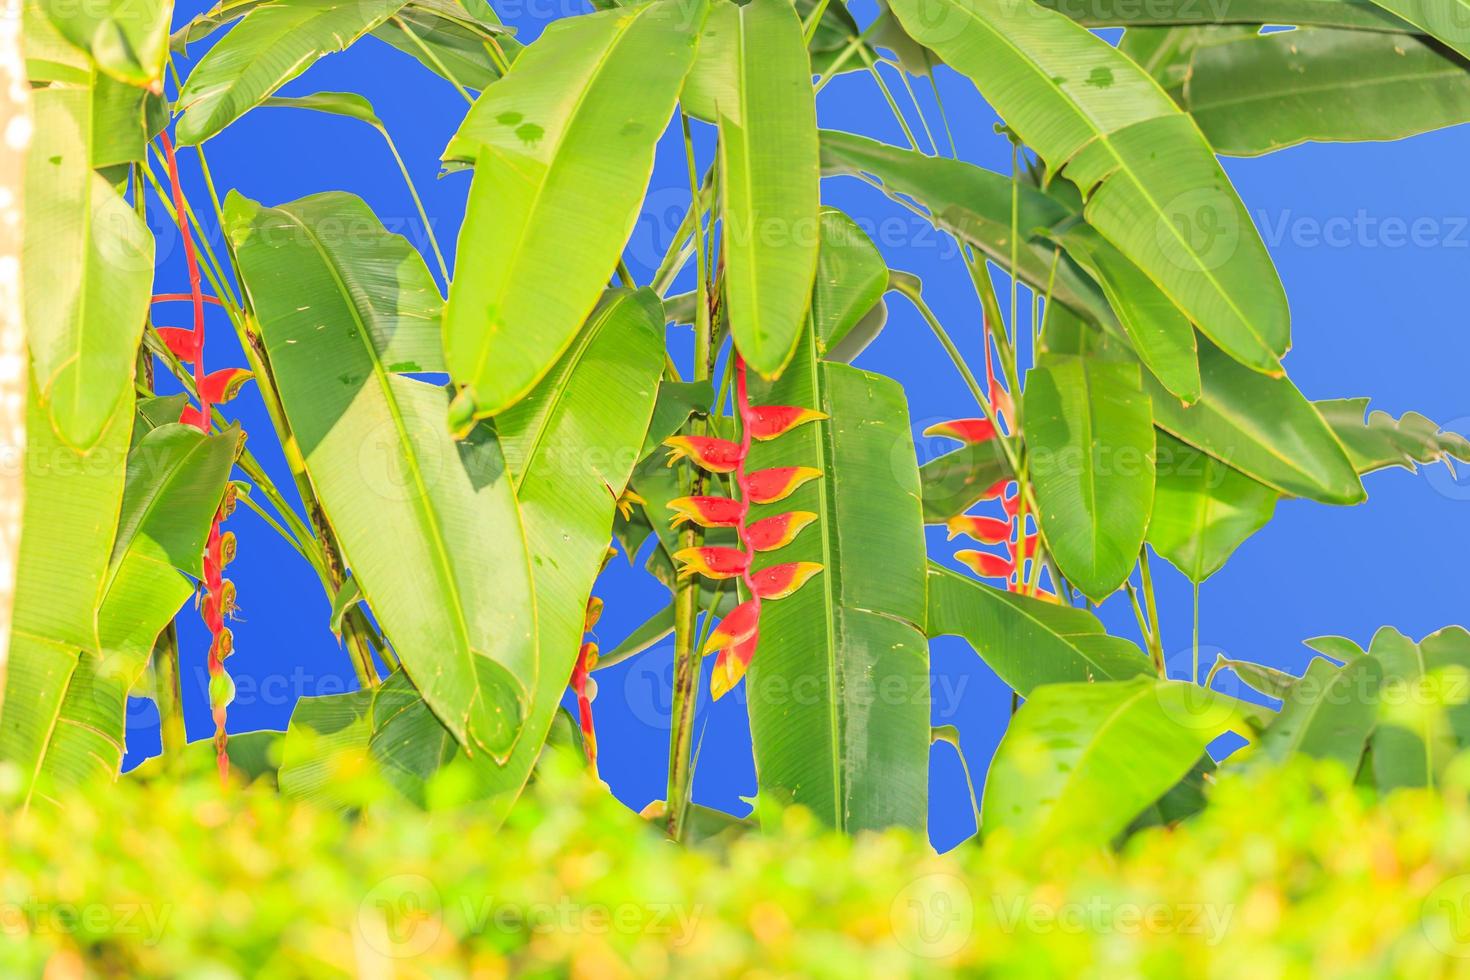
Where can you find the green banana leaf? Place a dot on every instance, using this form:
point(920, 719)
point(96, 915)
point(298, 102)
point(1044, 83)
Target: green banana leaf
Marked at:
point(273, 44)
point(451, 38)
point(566, 458)
point(1080, 761)
point(1445, 20)
point(1151, 183)
point(429, 526)
point(1414, 738)
point(1027, 642)
point(1090, 443)
point(84, 317)
point(1203, 509)
point(838, 689)
point(1327, 714)
point(761, 88)
point(851, 280)
point(563, 150)
point(1380, 441)
point(1361, 14)
point(128, 39)
point(1256, 93)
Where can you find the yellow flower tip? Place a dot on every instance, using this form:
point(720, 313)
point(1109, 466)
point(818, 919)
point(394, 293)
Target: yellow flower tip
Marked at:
point(656, 810)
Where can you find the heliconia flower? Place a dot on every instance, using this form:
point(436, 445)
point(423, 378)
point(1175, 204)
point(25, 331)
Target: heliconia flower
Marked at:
point(180, 341)
point(714, 455)
point(586, 689)
point(765, 422)
point(1000, 400)
point(1012, 505)
point(777, 531)
point(224, 384)
point(989, 530)
point(779, 581)
point(192, 416)
point(227, 548)
point(778, 483)
point(985, 564)
point(730, 666)
point(968, 431)
point(738, 626)
point(1028, 551)
point(594, 613)
point(707, 511)
point(996, 490)
point(712, 561)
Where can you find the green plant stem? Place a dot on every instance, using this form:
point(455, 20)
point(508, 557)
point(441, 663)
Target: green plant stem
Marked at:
point(1194, 669)
point(417, 203)
point(168, 694)
point(888, 97)
point(687, 654)
point(844, 56)
point(813, 20)
point(1156, 643)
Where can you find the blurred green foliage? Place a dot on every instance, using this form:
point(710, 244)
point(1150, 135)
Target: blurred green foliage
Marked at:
point(1290, 872)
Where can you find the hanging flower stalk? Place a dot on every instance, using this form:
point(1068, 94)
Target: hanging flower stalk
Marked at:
point(218, 600)
point(582, 684)
point(1020, 546)
point(737, 635)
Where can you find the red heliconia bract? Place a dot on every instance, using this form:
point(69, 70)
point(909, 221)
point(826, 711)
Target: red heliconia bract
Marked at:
point(766, 422)
point(968, 431)
point(988, 530)
point(222, 385)
point(585, 688)
point(985, 564)
point(779, 581)
point(180, 342)
point(777, 483)
point(712, 561)
point(777, 531)
point(735, 638)
point(715, 455)
point(707, 511)
point(730, 666)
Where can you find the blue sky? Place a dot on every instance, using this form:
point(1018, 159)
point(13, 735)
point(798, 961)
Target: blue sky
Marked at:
point(1372, 241)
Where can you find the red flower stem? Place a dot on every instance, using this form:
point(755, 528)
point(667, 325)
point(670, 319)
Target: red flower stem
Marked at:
point(183, 298)
point(742, 409)
point(212, 565)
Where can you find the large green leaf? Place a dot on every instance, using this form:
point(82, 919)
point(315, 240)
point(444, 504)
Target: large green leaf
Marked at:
point(1203, 509)
point(769, 175)
point(176, 476)
point(563, 149)
point(1331, 13)
point(1161, 335)
point(452, 38)
point(71, 507)
point(128, 39)
point(85, 315)
point(1028, 642)
point(952, 483)
point(571, 446)
point(273, 44)
point(1414, 739)
point(1380, 440)
point(429, 526)
point(1090, 441)
point(1262, 426)
point(838, 689)
point(972, 203)
point(1256, 93)
point(1445, 20)
point(1152, 185)
point(1082, 760)
point(851, 280)
point(1327, 714)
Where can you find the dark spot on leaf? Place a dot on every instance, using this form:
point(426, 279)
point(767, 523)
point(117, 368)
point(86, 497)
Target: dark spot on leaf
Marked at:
point(530, 133)
point(509, 118)
point(1100, 77)
point(631, 128)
